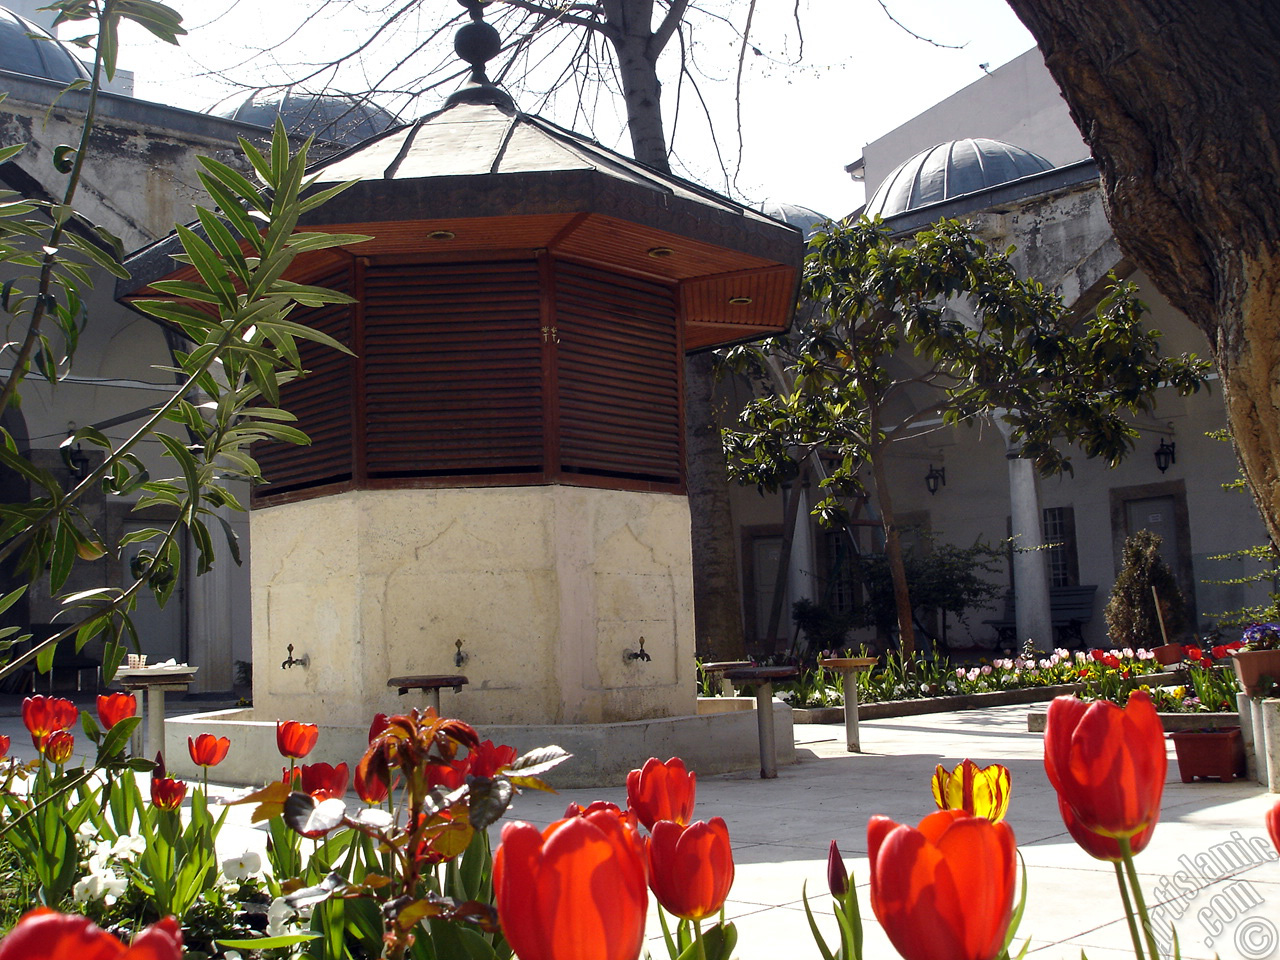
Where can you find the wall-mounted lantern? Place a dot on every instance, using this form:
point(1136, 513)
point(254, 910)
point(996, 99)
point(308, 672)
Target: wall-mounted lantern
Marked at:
point(936, 477)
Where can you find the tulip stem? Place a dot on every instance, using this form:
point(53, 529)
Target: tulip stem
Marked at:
point(1126, 850)
point(1128, 909)
point(697, 938)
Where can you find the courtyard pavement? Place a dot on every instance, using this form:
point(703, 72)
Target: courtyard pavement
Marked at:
point(1210, 871)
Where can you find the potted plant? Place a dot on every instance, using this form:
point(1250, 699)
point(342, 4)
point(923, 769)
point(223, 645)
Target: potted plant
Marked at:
point(1168, 654)
point(1215, 752)
point(1257, 663)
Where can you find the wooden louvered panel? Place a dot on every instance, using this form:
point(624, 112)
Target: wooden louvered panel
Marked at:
point(618, 376)
point(453, 367)
point(322, 403)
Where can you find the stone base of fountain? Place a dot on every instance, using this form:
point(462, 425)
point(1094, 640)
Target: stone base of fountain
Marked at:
point(723, 739)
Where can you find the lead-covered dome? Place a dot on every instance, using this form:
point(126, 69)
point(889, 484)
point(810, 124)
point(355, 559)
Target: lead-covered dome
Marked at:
point(30, 49)
point(802, 218)
point(950, 170)
point(326, 116)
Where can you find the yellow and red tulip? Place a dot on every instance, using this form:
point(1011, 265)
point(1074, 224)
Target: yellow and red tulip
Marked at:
point(979, 791)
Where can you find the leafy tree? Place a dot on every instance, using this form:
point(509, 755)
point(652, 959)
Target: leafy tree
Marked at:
point(239, 346)
point(1133, 617)
point(1178, 106)
point(940, 327)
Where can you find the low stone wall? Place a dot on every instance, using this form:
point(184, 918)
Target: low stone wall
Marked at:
point(968, 701)
point(603, 753)
point(1172, 722)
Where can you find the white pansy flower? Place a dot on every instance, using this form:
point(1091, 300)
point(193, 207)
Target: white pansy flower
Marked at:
point(129, 847)
point(242, 867)
point(101, 885)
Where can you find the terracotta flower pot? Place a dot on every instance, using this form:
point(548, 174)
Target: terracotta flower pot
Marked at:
point(1253, 665)
point(1209, 753)
point(1168, 654)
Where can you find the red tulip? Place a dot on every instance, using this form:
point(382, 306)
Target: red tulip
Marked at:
point(1095, 844)
point(1106, 763)
point(690, 868)
point(58, 746)
point(167, 794)
point(578, 810)
point(44, 934)
point(486, 759)
point(372, 782)
point(322, 781)
point(207, 750)
point(294, 739)
point(43, 715)
point(4, 746)
point(662, 791)
point(1273, 825)
point(379, 724)
point(575, 891)
point(944, 890)
point(116, 707)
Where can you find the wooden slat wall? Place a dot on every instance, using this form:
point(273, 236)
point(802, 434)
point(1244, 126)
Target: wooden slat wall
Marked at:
point(618, 373)
point(453, 369)
point(322, 403)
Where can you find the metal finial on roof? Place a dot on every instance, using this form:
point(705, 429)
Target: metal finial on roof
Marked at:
point(477, 43)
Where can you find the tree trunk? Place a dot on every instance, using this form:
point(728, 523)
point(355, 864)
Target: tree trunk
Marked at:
point(717, 605)
point(638, 70)
point(893, 554)
point(1178, 104)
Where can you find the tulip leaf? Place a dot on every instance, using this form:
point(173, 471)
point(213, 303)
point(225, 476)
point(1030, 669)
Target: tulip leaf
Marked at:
point(488, 800)
point(720, 940)
point(268, 943)
point(311, 818)
point(531, 783)
point(539, 761)
point(813, 926)
point(1017, 911)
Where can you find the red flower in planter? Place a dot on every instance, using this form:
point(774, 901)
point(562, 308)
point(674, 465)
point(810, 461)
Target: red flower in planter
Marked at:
point(58, 746)
point(44, 934)
point(44, 715)
point(662, 791)
point(944, 890)
point(207, 750)
point(1106, 763)
point(295, 739)
point(690, 868)
point(115, 707)
point(4, 746)
point(575, 891)
point(1273, 825)
point(322, 781)
point(1095, 844)
point(166, 793)
point(578, 810)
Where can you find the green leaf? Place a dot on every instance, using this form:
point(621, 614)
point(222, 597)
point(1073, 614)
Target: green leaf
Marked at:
point(268, 943)
point(64, 158)
point(95, 253)
point(212, 270)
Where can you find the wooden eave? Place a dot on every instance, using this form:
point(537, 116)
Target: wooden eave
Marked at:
point(736, 276)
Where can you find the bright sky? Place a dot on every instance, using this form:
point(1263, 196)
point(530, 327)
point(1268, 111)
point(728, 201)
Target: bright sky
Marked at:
point(861, 75)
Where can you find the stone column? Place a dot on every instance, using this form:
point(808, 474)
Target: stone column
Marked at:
point(1030, 565)
point(211, 599)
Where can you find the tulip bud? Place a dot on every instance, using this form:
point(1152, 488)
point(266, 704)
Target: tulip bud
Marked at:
point(837, 876)
point(58, 747)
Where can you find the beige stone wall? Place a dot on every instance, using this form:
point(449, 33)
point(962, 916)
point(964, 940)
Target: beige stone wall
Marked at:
point(547, 587)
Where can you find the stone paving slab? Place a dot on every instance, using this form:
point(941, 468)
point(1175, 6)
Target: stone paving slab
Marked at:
point(781, 828)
